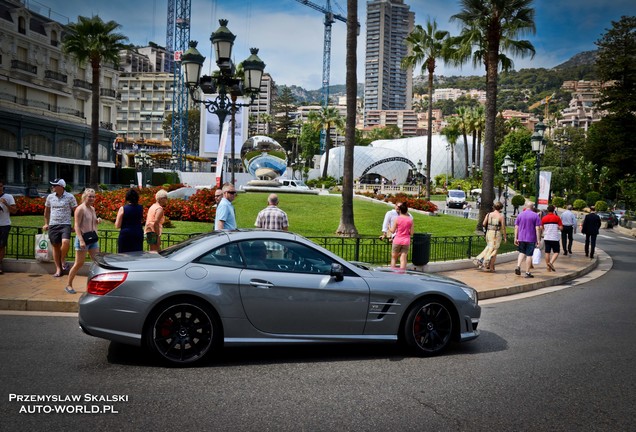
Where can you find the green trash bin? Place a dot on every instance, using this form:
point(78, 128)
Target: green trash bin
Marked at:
point(421, 249)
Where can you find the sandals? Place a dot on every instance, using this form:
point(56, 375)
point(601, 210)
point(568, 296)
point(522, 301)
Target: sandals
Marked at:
point(57, 275)
point(551, 267)
point(70, 290)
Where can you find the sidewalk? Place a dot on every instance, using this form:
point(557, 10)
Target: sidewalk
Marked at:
point(30, 286)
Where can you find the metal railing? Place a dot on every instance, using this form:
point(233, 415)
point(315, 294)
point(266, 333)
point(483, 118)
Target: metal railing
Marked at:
point(21, 245)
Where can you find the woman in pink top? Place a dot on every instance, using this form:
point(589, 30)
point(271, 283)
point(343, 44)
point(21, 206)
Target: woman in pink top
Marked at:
point(403, 229)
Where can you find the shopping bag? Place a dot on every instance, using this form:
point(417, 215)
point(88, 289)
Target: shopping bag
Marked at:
point(43, 248)
point(536, 256)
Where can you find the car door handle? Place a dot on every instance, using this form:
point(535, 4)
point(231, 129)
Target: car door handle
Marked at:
point(261, 283)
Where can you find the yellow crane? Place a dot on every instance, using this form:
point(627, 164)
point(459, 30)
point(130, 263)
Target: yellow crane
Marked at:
point(545, 101)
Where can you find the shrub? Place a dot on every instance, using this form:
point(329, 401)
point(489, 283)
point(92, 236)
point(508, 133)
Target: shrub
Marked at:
point(518, 200)
point(579, 204)
point(600, 205)
point(558, 202)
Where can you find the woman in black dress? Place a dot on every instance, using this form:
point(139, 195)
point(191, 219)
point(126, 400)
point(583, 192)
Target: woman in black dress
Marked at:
point(130, 221)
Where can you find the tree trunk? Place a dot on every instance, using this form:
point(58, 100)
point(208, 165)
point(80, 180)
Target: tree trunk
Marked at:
point(492, 63)
point(327, 148)
point(347, 225)
point(429, 141)
point(94, 152)
point(465, 153)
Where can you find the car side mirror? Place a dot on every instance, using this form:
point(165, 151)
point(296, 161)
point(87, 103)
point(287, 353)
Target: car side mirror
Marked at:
point(337, 271)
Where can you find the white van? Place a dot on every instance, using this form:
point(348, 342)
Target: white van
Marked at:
point(296, 184)
point(456, 198)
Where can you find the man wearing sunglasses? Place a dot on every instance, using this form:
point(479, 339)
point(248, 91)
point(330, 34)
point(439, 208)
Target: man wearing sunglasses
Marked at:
point(225, 215)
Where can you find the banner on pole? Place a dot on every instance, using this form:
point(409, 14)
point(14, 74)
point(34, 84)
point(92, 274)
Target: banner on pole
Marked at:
point(220, 155)
point(544, 189)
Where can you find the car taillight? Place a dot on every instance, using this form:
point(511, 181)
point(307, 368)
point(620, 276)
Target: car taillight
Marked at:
point(104, 283)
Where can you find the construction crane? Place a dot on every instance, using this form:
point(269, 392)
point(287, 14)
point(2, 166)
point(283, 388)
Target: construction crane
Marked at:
point(330, 18)
point(545, 101)
point(177, 39)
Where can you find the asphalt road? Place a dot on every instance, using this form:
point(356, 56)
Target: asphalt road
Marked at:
point(559, 361)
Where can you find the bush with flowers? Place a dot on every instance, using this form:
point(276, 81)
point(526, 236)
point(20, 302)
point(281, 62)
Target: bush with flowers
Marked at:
point(199, 208)
point(412, 203)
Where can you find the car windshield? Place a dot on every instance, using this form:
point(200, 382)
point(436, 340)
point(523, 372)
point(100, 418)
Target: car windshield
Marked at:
point(456, 194)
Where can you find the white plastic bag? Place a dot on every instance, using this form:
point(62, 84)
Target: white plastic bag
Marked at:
point(43, 248)
point(536, 256)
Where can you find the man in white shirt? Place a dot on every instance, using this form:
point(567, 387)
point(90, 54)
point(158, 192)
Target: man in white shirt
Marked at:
point(7, 207)
point(389, 217)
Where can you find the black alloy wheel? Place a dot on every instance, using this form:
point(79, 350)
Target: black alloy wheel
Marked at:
point(183, 333)
point(428, 328)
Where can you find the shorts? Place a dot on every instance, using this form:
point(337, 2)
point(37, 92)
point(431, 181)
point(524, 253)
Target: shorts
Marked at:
point(526, 248)
point(88, 247)
point(152, 238)
point(4, 235)
point(398, 248)
point(552, 246)
point(57, 233)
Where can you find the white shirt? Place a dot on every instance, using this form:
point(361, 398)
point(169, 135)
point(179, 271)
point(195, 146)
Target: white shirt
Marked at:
point(4, 214)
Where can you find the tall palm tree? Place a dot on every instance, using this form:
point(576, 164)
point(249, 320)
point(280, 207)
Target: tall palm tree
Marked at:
point(326, 118)
point(490, 29)
point(426, 46)
point(96, 42)
point(266, 119)
point(463, 113)
point(347, 225)
point(479, 123)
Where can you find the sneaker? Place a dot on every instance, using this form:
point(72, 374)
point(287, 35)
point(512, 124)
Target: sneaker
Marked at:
point(529, 275)
point(518, 271)
point(70, 290)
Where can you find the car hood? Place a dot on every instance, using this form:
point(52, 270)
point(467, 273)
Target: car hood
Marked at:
point(137, 261)
point(391, 273)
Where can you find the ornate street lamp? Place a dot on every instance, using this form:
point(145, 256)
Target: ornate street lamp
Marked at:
point(28, 156)
point(508, 168)
point(538, 147)
point(223, 82)
point(143, 162)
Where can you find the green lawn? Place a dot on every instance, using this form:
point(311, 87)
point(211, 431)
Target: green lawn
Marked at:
point(309, 215)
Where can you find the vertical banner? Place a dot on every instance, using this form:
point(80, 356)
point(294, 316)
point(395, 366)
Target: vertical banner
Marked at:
point(544, 189)
point(140, 179)
point(220, 155)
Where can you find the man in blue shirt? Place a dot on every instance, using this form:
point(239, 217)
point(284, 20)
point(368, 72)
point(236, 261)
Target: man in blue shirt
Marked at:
point(225, 215)
point(569, 223)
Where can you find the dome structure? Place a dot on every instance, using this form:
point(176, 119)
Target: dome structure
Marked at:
point(264, 157)
point(392, 159)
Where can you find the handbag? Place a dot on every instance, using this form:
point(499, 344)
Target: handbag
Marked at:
point(90, 237)
point(43, 248)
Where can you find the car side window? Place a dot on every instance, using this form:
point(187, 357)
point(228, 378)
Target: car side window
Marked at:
point(227, 256)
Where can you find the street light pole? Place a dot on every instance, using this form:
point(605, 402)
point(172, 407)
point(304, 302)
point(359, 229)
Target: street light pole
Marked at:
point(538, 147)
point(224, 82)
point(508, 167)
point(28, 155)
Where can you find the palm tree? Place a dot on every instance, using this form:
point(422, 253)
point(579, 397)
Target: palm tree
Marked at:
point(426, 45)
point(452, 132)
point(95, 41)
point(326, 118)
point(463, 114)
point(266, 119)
point(479, 123)
point(347, 225)
point(490, 29)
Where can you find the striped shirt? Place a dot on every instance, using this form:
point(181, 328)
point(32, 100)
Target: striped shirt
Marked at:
point(273, 218)
point(551, 224)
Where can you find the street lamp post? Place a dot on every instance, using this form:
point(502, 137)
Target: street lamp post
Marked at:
point(508, 168)
point(28, 156)
point(538, 147)
point(143, 161)
point(223, 82)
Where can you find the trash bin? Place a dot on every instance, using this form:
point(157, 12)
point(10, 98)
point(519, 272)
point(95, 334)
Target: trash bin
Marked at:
point(421, 249)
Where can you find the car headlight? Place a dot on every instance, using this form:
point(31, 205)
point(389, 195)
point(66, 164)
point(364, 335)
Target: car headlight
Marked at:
point(471, 293)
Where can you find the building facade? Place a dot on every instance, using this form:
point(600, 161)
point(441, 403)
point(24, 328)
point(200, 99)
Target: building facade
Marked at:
point(45, 104)
point(387, 86)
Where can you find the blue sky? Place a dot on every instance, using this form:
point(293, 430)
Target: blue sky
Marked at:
point(290, 34)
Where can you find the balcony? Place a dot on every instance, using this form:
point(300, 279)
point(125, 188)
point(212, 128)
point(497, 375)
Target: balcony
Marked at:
point(108, 93)
point(82, 84)
point(106, 125)
point(24, 66)
point(49, 74)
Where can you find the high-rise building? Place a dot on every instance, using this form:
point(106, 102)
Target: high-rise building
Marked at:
point(387, 85)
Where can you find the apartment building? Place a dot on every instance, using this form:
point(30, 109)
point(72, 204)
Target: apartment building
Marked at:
point(45, 103)
point(406, 120)
point(387, 86)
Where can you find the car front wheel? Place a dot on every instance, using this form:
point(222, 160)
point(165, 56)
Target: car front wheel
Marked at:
point(428, 328)
point(183, 332)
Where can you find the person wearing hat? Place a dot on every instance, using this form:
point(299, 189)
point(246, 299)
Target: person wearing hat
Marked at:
point(58, 210)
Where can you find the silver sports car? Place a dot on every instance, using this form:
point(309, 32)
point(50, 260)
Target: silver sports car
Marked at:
point(267, 287)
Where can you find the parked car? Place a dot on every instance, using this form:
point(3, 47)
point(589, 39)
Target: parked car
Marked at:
point(267, 287)
point(27, 191)
point(619, 214)
point(608, 217)
point(297, 184)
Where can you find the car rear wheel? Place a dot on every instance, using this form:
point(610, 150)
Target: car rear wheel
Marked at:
point(429, 327)
point(183, 332)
